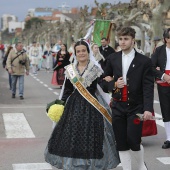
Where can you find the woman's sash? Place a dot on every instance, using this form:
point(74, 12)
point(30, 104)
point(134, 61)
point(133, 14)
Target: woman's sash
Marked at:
point(85, 93)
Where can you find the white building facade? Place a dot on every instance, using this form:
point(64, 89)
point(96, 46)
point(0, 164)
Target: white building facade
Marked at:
point(13, 25)
point(31, 12)
point(5, 19)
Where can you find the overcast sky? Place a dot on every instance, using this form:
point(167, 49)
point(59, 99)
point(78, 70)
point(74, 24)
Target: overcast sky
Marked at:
point(19, 8)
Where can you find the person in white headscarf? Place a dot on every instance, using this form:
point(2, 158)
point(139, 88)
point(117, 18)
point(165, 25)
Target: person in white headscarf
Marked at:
point(40, 56)
point(96, 53)
point(34, 57)
point(55, 50)
point(98, 59)
point(71, 52)
point(47, 57)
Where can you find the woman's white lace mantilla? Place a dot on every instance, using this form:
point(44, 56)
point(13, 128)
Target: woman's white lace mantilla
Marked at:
point(91, 73)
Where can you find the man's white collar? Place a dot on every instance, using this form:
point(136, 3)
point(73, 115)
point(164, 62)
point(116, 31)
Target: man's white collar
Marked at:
point(167, 48)
point(132, 52)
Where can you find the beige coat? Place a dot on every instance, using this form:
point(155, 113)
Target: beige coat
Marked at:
point(15, 66)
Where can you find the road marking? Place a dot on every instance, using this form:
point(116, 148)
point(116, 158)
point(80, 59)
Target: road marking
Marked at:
point(16, 126)
point(164, 160)
point(31, 166)
point(156, 101)
point(55, 93)
point(159, 122)
point(21, 107)
point(45, 85)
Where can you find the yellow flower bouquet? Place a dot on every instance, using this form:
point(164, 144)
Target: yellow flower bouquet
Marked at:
point(55, 110)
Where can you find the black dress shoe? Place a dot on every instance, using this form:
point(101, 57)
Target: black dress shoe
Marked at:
point(13, 96)
point(166, 145)
point(21, 97)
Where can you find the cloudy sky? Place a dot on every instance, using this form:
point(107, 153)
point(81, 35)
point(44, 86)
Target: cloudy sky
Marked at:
point(20, 7)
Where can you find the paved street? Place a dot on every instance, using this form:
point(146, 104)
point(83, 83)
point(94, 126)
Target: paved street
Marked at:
point(25, 128)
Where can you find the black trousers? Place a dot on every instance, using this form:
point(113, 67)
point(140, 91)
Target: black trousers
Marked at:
point(164, 98)
point(127, 129)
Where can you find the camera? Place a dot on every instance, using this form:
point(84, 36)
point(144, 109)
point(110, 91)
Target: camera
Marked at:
point(22, 62)
point(23, 51)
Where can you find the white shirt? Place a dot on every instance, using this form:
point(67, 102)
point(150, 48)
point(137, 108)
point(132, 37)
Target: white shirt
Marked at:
point(168, 59)
point(104, 47)
point(126, 61)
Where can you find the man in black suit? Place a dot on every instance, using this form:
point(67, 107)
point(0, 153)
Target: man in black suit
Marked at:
point(161, 69)
point(105, 50)
point(131, 85)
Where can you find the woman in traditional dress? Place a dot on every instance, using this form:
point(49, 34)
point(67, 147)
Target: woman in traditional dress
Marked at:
point(83, 138)
point(47, 57)
point(71, 52)
point(98, 60)
point(62, 59)
point(39, 56)
point(34, 57)
point(96, 53)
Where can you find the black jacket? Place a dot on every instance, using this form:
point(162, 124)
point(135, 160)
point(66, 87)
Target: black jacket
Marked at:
point(106, 52)
point(140, 80)
point(159, 59)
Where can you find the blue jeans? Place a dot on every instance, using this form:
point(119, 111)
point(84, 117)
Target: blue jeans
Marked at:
point(21, 84)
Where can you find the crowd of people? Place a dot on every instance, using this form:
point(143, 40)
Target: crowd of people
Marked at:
point(17, 58)
point(94, 132)
point(129, 76)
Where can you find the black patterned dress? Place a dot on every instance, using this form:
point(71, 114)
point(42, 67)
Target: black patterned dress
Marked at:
point(80, 134)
